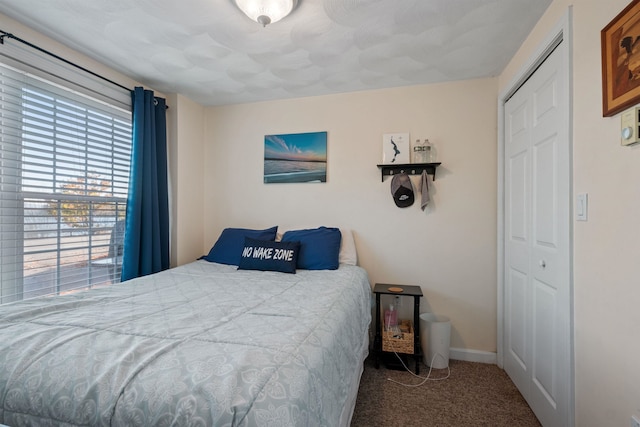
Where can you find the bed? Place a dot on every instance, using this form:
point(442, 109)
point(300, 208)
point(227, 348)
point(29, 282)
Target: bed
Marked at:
point(204, 344)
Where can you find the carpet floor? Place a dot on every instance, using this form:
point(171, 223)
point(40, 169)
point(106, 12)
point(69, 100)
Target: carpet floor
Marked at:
point(475, 394)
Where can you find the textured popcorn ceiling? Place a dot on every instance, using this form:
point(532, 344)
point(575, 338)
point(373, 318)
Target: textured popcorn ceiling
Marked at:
point(210, 52)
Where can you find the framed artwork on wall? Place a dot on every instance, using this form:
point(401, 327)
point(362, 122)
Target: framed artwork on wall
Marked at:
point(621, 61)
point(395, 148)
point(295, 157)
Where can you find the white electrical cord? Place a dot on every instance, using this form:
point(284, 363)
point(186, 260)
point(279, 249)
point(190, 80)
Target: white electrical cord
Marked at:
point(424, 379)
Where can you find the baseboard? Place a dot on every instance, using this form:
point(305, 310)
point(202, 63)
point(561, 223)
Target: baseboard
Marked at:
point(473, 355)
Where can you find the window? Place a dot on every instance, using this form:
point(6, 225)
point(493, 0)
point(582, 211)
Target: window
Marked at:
point(64, 172)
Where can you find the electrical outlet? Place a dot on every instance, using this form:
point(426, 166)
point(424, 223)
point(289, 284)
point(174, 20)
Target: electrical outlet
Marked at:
point(635, 422)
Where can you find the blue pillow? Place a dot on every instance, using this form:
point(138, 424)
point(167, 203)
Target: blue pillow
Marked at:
point(228, 247)
point(319, 247)
point(267, 255)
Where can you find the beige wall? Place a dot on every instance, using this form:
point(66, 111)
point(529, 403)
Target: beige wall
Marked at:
point(450, 250)
point(606, 247)
point(186, 135)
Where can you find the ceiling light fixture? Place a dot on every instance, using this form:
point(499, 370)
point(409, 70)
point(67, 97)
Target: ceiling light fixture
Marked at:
point(265, 12)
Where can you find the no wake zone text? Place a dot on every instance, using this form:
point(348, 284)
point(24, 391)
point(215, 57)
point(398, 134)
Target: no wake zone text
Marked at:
point(267, 253)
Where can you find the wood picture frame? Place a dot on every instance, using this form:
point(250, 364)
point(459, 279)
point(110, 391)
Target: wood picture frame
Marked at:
point(621, 61)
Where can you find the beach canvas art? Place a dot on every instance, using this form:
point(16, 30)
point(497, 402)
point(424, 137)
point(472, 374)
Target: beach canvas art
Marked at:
point(295, 157)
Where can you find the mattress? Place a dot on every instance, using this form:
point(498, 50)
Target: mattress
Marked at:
point(201, 344)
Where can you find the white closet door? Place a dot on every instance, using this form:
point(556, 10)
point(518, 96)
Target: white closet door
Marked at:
point(537, 242)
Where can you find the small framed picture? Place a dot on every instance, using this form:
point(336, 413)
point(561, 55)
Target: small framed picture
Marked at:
point(395, 148)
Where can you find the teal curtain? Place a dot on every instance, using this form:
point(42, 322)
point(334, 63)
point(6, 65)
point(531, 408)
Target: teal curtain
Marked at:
point(146, 239)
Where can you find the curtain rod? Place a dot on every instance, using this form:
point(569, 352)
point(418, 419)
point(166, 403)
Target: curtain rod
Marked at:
point(18, 39)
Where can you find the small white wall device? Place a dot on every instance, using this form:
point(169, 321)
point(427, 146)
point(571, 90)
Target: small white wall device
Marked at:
point(630, 126)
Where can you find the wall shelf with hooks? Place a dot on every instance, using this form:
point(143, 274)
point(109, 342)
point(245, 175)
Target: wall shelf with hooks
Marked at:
point(409, 168)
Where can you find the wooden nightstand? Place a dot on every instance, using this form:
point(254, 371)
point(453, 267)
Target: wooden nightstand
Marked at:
point(412, 291)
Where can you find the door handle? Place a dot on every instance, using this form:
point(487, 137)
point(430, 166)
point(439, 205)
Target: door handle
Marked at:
point(542, 263)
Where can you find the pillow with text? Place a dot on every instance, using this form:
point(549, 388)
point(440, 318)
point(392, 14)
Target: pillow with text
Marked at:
point(269, 256)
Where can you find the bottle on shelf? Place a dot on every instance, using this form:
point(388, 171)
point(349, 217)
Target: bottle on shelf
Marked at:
point(390, 318)
point(428, 156)
point(417, 152)
point(423, 151)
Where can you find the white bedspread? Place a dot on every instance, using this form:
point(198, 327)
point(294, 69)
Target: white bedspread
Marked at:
point(203, 344)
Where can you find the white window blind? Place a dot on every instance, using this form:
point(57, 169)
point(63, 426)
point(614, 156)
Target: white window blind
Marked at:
point(64, 171)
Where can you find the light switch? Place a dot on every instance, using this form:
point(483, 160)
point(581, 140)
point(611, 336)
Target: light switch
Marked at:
point(630, 126)
point(582, 207)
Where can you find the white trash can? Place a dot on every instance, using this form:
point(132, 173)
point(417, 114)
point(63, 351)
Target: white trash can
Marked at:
point(435, 336)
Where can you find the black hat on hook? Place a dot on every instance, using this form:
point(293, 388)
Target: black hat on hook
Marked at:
point(402, 190)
